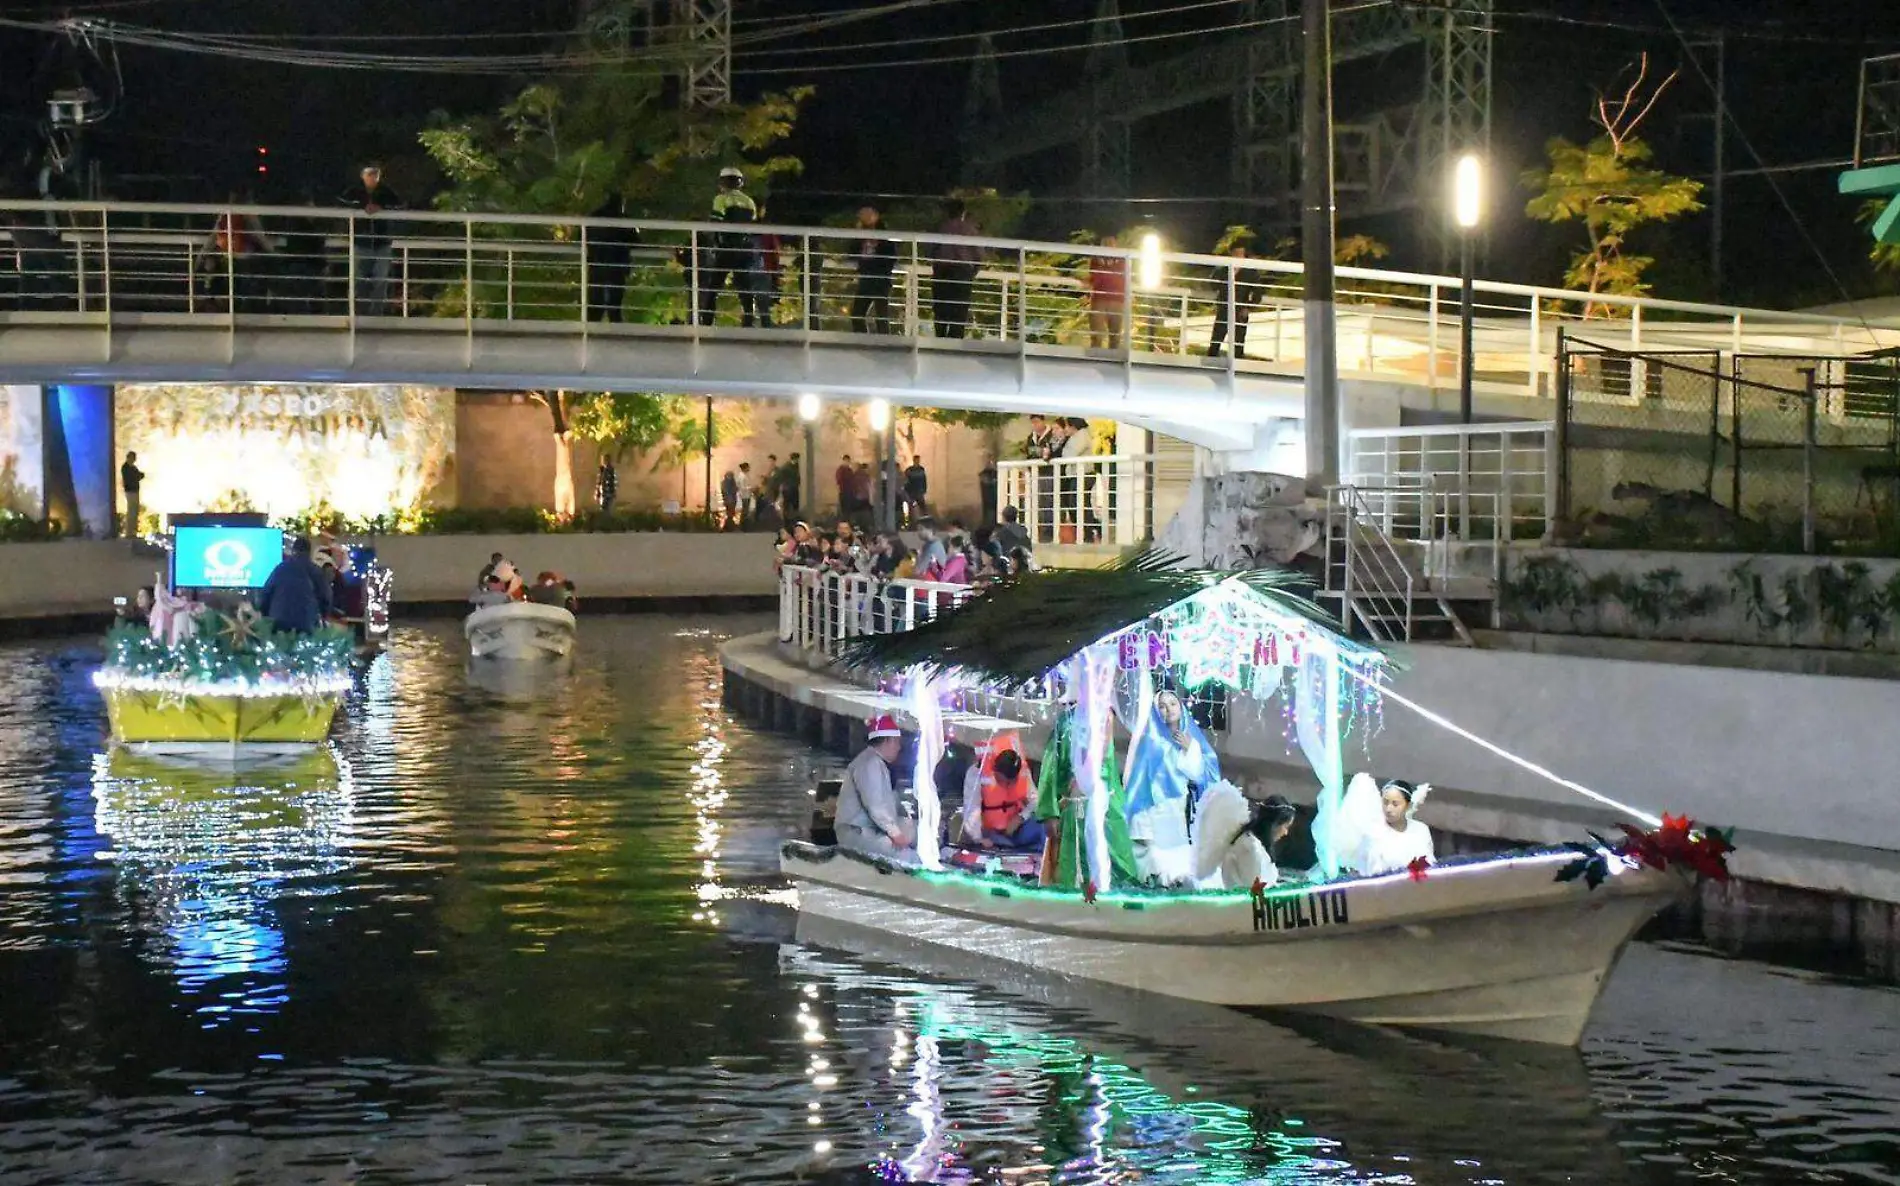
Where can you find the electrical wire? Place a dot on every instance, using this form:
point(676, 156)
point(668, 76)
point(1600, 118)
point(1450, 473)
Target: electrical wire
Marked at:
point(964, 59)
point(1774, 183)
point(1010, 32)
point(665, 58)
point(1735, 33)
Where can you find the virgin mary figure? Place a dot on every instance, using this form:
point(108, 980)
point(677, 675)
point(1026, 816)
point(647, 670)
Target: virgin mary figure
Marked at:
point(1171, 764)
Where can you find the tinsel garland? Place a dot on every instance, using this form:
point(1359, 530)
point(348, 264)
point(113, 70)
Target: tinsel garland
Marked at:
point(218, 654)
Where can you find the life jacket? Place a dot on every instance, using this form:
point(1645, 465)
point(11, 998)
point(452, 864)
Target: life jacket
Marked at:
point(1003, 801)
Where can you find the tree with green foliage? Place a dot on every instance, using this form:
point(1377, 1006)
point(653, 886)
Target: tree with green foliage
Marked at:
point(1885, 256)
point(623, 423)
point(686, 435)
point(1611, 189)
point(564, 145)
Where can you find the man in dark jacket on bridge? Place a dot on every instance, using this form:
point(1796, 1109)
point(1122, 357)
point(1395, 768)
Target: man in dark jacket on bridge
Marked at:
point(296, 595)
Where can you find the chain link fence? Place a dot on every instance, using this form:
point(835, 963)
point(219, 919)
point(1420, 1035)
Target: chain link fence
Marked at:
point(1722, 451)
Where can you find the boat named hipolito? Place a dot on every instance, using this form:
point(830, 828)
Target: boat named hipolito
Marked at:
point(1494, 946)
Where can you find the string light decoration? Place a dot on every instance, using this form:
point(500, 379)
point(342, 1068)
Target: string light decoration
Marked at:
point(254, 662)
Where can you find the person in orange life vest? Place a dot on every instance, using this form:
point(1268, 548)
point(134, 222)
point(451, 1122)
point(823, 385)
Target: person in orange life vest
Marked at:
point(997, 796)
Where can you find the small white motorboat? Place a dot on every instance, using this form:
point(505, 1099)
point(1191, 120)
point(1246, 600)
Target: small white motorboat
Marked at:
point(520, 630)
point(1494, 945)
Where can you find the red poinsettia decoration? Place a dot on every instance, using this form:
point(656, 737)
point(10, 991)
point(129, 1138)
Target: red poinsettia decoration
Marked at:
point(1088, 892)
point(1678, 843)
point(1418, 866)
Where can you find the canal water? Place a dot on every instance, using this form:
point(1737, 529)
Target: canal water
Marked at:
point(529, 930)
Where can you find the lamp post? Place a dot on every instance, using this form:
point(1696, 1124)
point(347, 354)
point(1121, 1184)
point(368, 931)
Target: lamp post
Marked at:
point(1148, 276)
point(809, 406)
point(880, 414)
point(1467, 209)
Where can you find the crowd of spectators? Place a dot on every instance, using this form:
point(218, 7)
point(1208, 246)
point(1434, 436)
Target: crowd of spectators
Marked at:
point(940, 553)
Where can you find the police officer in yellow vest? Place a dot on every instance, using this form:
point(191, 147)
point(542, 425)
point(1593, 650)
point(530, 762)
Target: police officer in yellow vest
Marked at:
point(732, 254)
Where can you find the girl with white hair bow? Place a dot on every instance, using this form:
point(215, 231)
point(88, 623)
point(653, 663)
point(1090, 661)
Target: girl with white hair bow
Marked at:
point(1383, 833)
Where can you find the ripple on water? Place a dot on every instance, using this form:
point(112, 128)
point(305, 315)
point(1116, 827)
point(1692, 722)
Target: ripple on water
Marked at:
point(530, 930)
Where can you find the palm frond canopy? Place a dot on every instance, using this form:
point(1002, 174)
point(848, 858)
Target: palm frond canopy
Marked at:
point(1017, 632)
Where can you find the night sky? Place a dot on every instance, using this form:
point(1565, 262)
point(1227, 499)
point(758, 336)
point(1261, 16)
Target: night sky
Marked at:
point(190, 126)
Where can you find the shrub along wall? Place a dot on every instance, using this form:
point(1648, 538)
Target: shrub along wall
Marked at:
point(1785, 601)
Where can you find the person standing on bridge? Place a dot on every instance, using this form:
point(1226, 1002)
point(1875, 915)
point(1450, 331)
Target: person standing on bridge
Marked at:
point(609, 260)
point(953, 268)
point(1249, 284)
point(732, 254)
point(1108, 297)
point(877, 258)
point(371, 236)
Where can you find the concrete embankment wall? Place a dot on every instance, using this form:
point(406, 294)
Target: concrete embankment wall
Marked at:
point(1801, 765)
point(72, 582)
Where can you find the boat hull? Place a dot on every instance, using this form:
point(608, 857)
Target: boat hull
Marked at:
point(210, 725)
point(1499, 948)
point(518, 631)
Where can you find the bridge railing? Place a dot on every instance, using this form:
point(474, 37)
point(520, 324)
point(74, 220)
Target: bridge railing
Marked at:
point(819, 610)
point(436, 270)
point(1485, 469)
point(1102, 501)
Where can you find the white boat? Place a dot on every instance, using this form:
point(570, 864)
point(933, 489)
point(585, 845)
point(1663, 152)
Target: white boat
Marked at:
point(1512, 945)
point(519, 630)
point(1493, 946)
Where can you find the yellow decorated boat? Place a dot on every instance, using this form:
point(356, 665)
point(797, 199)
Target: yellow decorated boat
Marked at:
point(231, 686)
point(205, 719)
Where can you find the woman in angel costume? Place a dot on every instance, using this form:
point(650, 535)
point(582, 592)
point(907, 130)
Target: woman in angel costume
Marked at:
point(1170, 763)
point(1382, 833)
point(1234, 838)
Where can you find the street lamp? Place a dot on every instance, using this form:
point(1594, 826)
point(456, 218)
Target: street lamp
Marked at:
point(1150, 260)
point(1467, 210)
point(809, 406)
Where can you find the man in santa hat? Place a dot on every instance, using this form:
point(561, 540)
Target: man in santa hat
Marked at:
point(868, 817)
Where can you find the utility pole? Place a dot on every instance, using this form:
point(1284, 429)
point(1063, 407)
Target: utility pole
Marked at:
point(1317, 209)
point(1721, 135)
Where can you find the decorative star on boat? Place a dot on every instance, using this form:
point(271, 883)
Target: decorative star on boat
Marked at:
point(172, 695)
point(240, 627)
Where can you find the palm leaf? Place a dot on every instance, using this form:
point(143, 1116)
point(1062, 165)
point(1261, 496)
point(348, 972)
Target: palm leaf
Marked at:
point(1018, 631)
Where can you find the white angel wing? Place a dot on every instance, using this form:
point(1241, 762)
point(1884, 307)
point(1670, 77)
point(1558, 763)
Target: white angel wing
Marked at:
point(1223, 811)
point(1361, 815)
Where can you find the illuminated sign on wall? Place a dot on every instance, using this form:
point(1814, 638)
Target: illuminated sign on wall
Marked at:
point(284, 449)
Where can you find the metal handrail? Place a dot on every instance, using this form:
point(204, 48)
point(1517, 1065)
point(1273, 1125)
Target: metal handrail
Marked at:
point(1402, 322)
point(1102, 498)
point(1390, 588)
point(820, 610)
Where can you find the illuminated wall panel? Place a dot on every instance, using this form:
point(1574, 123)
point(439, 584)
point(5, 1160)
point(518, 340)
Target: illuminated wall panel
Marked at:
point(287, 448)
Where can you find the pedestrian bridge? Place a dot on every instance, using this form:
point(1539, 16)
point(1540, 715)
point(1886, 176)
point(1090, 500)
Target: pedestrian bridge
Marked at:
point(139, 292)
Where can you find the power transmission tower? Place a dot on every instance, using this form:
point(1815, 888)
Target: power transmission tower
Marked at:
point(1106, 170)
point(1877, 122)
point(696, 34)
point(1266, 113)
point(1457, 107)
point(705, 30)
point(982, 106)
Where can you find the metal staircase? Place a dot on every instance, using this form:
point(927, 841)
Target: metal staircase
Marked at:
point(1387, 565)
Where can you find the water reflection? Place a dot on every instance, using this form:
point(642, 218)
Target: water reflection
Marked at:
point(206, 856)
point(1036, 1078)
point(543, 941)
